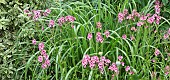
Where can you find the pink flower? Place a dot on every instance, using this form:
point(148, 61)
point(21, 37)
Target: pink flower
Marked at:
point(99, 25)
point(120, 17)
point(101, 66)
point(72, 26)
point(85, 60)
point(120, 58)
point(132, 38)
point(61, 20)
point(43, 52)
point(40, 58)
point(42, 28)
point(37, 14)
point(130, 17)
point(26, 11)
point(41, 46)
point(140, 23)
point(157, 2)
point(47, 62)
point(169, 31)
point(89, 36)
point(166, 36)
point(124, 36)
point(127, 68)
point(51, 23)
point(157, 9)
point(114, 68)
point(143, 17)
point(125, 11)
point(151, 19)
point(133, 29)
point(48, 11)
point(166, 73)
point(153, 60)
point(131, 72)
point(44, 65)
point(158, 18)
point(122, 63)
point(135, 13)
point(107, 61)
point(107, 33)
point(45, 56)
point(157, 52)
point(70, 18)
point(99, 37)
point(34, 41)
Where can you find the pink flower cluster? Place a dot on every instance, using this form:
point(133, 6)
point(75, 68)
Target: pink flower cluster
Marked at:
point(37, 13)
point(99, 25)
point(51, 23)
point(43, 58)
point(167, 70)
point(150, 19)
point(157, 52)
point(68, 18)
point(94, 60)
point(99, 37)
point(102, 62)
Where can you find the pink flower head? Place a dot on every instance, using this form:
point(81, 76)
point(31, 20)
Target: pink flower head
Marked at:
point(157, 9)
point(132, 38)
point(47, 62)
point(34, 41)
point(45, 56)
point(40, 58)
point(125, 11)
point(148, 15)
point(167, 68)
point(131, 72)
point(114, 68)
point(124, 36)
point(101, 66)
point(102, 58)
point(120, 58)
point(158, 18)
point(107, 61)
point(127, 68)
point(48, 11)
point(61, 20)
point(166, 73)
point(107, 33)
point(43, 52)
point(44, 65)
point(99, 25)
point(85, 60)
point(135, 13)
point(133, 29)
point(153, 60)
point(26, 11)
point(99, 37)
point(151, 19)
point(72, 26)
point(130, 16)
point(169, 31)
point(41, 46)
point(42, 28)
point(140, 23)
point(122, 63)
point(70, 18)
point(51, 23)
point(157, 2)
point(121, 17)
point(143, 18)
point(37, 14)
point(166, 36)
point(89, 36)
point(157, 52)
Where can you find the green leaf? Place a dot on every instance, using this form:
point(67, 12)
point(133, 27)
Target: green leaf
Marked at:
point(165, 2)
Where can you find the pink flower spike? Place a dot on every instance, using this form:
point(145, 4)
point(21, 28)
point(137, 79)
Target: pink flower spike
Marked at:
point(120, 17)
point(157, 52)
point(99, 37)
point(131, 72)
point(140, 24)
point(41, 46)
point(44, 65)
point(99, 25)
point(89, 36)
point(166, 36)
point(127, 68)
point(61, 20)
point(107, 33)
point(122, 63)
point(47, 62)
point(125, 11)
point(34, 41)
point(40, 58)
point(124, 36)
point(43, 52)
point(133, 29)
point(51, 23)
point(166, 73)
point(48, 11)
point(157, 9)
point(120, 58)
